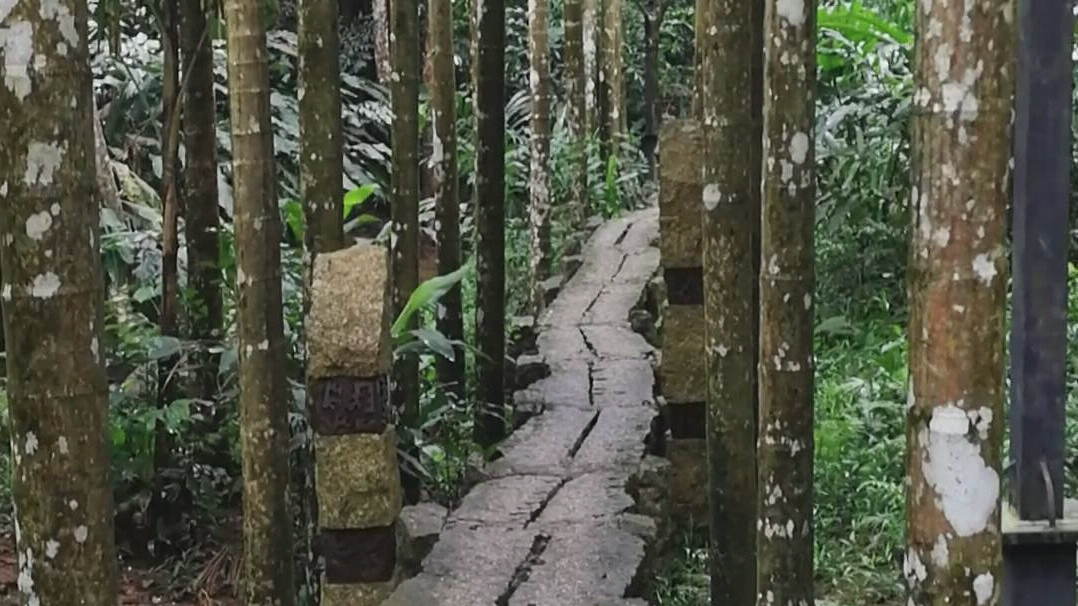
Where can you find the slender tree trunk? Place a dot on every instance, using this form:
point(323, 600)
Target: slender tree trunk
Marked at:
point(787, 367)
point(731, 200)
point(163, 517)
point(589, 24)
point(53, 288)
point(576, 112)
point(201, 212)
point(321, 152)
point(957, 278)
point(322, 189)
point(443, 101)
point(490, 220)
point(264, 428)
point(701, 23)
point(539, 168)
point(654, 11)
point(380, 22)
point(106, 181)
point(404, 245)
point(611, 78)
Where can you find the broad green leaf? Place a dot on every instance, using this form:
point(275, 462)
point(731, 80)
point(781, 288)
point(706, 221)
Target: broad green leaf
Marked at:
point(426, 294)
point(435, 341)
point(164, 346)
point(358, 196)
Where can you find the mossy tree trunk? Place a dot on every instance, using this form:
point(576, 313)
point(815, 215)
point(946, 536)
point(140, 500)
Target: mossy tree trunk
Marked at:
point(787, 368)
point(201, 211)
point(490, 219)
point(539, 167)
point(405, 68)
point(731, 199)
point(965, 67)
point(264, 398)
point(321, 186)
point(53, 289)
point(443, 101)
point(576, 87)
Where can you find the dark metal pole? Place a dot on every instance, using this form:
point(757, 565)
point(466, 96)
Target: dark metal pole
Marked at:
point(1039, 568)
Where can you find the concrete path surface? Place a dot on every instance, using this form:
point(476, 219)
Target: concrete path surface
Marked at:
point(570, 513)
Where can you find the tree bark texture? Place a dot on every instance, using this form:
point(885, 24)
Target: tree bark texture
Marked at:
point(201, 211)
point(490, 219)
point(443, 101)
point(701, 23)
point(539, 167)
point(53, 289)
point(731, 199)
point(380, 22)
point(589, 23)
point(957, 278)
point(786, 369)
point(321, 186)
point(612, 77)
point(321, 152)
point(264, 403)
point(576, 107)
point(404, 242)
point(653, 11)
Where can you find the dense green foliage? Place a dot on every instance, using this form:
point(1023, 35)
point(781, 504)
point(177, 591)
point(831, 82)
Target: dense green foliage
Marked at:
point(864, 180)
point(863, 163)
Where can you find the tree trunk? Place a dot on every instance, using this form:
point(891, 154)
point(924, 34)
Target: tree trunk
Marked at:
point(731, 199)
point(106, 181)
point(654, 11)
point(490, 220)
point(201, 211)
point(701, 23)
point(163, 517)
point(380, 22)
point(321, 152)
point(539, 168)
point(576, 112)
point(957, 281)
point(612, 79)
point(264, 428)
point(404, 245)
point(53, 287)
point(589, 24)
point(322, 190)
point(787, 368)
point(443, 101)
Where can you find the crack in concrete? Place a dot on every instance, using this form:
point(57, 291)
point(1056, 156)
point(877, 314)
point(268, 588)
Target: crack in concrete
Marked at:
point(523, 570)
point(584, 435)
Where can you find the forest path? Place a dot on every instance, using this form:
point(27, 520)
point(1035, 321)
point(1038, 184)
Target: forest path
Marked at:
point(571, 514)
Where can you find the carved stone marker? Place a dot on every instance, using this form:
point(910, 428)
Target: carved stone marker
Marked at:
point(356, 475)
point(683, 371)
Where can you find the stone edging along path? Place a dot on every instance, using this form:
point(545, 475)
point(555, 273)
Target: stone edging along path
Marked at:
point(574, 511)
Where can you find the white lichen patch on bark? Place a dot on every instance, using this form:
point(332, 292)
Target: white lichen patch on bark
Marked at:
point(18, 45)
point(966, 487)
point(42, 162)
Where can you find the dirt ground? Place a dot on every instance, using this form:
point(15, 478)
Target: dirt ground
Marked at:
point(138, 587)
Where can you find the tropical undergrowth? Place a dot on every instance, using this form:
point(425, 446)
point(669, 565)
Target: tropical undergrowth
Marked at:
point(863, 152)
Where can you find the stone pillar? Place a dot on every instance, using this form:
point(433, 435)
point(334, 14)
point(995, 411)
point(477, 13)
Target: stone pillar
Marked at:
point(356, 476)
point(683, 370)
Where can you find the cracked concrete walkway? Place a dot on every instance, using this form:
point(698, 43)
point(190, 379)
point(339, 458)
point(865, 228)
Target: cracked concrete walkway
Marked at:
point(554, 523)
